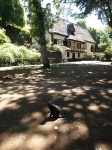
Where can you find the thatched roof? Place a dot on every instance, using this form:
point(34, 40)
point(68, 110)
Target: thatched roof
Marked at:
point(64, 27)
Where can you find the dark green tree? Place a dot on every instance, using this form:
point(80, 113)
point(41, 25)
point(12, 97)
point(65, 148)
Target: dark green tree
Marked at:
point(96, 34)
point(102, 8)
point(11, 13)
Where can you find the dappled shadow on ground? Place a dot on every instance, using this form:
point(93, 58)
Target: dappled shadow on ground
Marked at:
point(84, 92)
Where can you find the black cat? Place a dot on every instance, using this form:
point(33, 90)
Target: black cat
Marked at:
point(54, 109)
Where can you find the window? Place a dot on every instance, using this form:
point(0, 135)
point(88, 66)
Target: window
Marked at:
point(78, 54)
point(55, 41)
point(65, 43)
point(78, 45)
point(68, 54)
point(85, 46)
point(68, 43)
point(59, 42)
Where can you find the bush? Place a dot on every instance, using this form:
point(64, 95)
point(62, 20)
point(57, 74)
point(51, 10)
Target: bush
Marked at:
point(108, 53)
point(9, 53)
point(89, 56)
point(3, 37)
point(102, 57)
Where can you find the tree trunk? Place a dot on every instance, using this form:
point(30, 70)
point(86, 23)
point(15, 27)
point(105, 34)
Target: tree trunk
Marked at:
point(46, 63)
point(42, 31)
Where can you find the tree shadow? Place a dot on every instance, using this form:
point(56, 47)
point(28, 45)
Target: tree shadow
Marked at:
point(48, 119)
point(82, 91)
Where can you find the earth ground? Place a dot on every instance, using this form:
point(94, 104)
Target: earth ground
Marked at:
point(83, 90)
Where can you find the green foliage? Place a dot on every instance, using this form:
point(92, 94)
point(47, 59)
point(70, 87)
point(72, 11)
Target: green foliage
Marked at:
point(11, 12)
point(102, 57)
point(20, 36)
point(108, 53)
point(89, 55)
point(3, 37)
point(96, 35)
point(10, 52)
point(102, 8)
point(105, 41)
point(40, 20)
point(82, 24)
point(102, 46)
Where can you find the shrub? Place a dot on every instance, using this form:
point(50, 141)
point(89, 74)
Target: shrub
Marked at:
point(3, 37)
point(102, 57)
point(89, 56)
point(108, 53)
point(9, 53)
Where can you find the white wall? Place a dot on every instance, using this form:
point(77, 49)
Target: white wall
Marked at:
point(82, 55)
point(88, 46)
point(61, 37)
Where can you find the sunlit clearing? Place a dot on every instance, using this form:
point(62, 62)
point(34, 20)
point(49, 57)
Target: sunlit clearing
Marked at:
point(12, 142)
point(67, 91)
point(51, 91)
point(110, 91)
point(79, 131)
point(90, 72)
point(93, 107)
point(104, 106)
point(78, 106)
point(6, 103)
point(40, 142)
point(102, 146)
point(79, 115)
point(34, 116)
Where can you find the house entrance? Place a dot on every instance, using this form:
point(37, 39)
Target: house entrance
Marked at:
point(73, 56)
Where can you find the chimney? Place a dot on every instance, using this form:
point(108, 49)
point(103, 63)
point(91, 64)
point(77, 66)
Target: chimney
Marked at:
point(48, 5)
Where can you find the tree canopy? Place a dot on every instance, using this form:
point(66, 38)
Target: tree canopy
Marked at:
point(105, 40)
point(96, 34)
point(102, 8)
point(82, 24)
point(11, 13)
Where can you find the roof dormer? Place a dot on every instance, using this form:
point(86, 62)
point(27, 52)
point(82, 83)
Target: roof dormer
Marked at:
point(71, 29)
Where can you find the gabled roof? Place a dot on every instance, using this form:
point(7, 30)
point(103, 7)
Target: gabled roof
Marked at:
point(63, 27)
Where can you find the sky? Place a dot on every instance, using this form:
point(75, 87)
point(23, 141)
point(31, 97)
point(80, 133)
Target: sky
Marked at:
point(91, 20)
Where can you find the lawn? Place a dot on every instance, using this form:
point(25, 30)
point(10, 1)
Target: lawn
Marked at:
point(84, 94)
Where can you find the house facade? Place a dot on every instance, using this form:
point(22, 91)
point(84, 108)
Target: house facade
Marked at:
point(78, 39)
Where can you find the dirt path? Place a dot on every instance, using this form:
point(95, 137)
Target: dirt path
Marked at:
point(83, 91)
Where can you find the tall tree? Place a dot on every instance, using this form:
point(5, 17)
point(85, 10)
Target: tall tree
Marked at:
point(105, 40)
point(11, 13)
point(82, 24)
point(96, 34)
point(40, 22)
point(102, 8)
